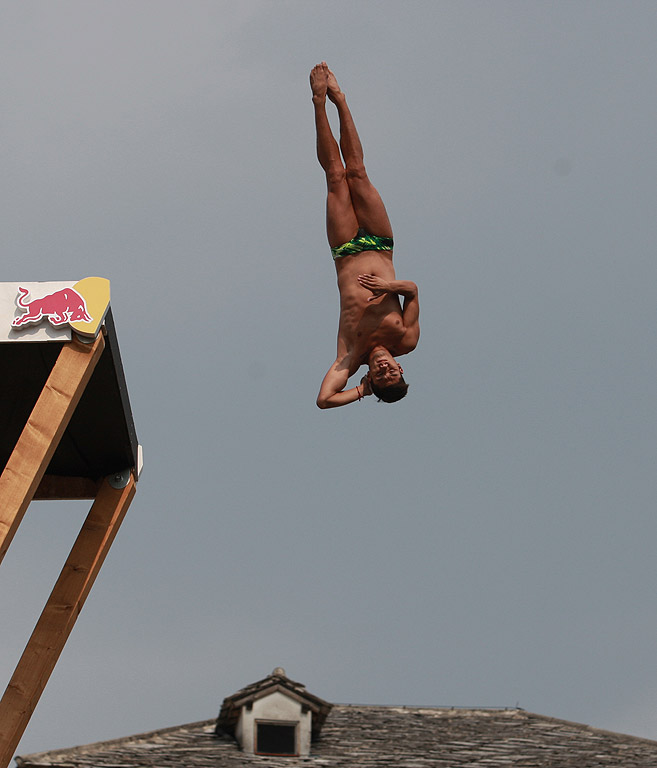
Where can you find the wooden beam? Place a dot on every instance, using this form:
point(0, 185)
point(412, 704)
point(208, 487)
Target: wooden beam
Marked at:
point(43, 431)
point(59, 615)
point(52, 487)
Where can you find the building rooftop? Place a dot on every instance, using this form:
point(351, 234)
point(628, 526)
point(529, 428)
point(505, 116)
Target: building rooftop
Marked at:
point(377, 736)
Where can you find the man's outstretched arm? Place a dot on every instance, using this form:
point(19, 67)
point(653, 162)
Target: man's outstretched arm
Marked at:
point(333, 394)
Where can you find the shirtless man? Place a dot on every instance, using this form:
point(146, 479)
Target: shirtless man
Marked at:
point(373, 327)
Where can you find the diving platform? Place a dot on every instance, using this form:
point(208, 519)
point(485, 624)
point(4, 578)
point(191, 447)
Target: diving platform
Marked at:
point(66, 432)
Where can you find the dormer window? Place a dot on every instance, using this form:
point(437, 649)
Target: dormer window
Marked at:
point(276, 738)
point(274, 716)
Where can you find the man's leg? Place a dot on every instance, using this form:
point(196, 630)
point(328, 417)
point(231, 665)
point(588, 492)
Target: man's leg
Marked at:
point(368, 205)
point(341, 220)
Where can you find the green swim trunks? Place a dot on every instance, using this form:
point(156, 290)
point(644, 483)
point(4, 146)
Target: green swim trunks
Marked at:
point(362, 242)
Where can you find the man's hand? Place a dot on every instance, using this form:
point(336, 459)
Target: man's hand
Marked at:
point(365, 384)
point(374, 284)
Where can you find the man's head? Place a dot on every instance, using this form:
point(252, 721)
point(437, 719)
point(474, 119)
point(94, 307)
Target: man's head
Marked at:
point(385, 376)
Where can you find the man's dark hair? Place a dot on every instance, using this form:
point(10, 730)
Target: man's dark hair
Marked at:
point(392, 392)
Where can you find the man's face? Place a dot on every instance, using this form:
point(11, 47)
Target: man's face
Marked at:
point(384, 370)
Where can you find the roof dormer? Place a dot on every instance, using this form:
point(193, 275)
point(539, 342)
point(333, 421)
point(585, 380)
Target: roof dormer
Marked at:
point(274, 716)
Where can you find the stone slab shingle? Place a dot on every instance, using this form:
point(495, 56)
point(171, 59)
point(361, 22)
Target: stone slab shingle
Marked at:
point(378, 737)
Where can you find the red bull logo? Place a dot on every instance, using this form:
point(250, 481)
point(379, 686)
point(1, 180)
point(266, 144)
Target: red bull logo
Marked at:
point(65, 306)
point(80, 307)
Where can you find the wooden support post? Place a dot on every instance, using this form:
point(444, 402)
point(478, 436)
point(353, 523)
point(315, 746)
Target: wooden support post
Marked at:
point(43, 431)
point(59, 615)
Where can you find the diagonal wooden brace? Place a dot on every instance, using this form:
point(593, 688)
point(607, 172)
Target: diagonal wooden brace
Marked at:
point(60, 613)
point(43, 431)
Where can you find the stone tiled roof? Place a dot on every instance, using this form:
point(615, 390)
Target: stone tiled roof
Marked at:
point(378, 737)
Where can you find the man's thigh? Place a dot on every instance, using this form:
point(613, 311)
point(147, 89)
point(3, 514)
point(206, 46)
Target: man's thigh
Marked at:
point(369, 208)
point(341, 220)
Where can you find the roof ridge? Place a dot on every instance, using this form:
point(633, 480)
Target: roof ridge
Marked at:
point(461, 708)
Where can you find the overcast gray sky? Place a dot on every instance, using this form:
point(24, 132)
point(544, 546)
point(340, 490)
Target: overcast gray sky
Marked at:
point(487, 541)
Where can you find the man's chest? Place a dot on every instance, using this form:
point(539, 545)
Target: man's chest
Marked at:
point(373, 326)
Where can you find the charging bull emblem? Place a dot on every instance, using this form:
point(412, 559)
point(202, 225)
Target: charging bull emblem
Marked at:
point(65, 306)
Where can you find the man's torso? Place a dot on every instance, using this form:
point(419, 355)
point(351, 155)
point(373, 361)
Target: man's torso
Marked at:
point(365, 324)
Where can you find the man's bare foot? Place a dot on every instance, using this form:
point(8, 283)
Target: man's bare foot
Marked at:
point(319, 81)
point(332, 84)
